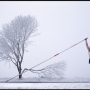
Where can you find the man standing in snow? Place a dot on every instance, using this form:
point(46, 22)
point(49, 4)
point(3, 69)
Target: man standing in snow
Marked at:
point(88, 47)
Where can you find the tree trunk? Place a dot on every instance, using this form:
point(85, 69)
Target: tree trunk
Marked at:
point(19, 70)
point(20, 76)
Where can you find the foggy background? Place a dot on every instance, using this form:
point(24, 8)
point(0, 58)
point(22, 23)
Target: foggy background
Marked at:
point(61, 25)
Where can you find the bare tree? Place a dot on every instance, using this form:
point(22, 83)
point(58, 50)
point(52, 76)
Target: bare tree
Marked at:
point(14, 39)
point(55, 70)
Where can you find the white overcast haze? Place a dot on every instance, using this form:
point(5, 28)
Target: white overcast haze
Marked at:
point(61, 25)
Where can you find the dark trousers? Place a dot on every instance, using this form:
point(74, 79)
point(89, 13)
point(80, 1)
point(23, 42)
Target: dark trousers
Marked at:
point(89, 60)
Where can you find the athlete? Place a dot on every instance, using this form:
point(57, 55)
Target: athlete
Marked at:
point(88, 47)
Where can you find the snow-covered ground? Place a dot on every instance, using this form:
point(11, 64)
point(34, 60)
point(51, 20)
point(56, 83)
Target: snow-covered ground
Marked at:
point(44, 85)
point(64, 83)
point(46, 80)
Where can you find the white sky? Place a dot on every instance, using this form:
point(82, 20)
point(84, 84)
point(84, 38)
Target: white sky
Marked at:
point(61, 24)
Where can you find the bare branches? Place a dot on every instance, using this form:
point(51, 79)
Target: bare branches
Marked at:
point(52, 71)
point(13, 62)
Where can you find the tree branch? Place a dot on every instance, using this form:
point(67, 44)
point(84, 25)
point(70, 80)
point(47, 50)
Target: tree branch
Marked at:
point(13, 62)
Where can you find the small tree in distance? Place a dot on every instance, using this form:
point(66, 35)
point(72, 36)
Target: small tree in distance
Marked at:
point(14, 38)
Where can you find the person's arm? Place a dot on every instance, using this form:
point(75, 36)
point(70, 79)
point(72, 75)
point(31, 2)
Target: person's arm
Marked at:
point(87, 44)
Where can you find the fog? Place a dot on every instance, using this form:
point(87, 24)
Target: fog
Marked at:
point(61, 25)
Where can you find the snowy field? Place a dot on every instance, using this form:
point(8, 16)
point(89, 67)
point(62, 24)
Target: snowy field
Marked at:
point(46, 80)
point(46, 83)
